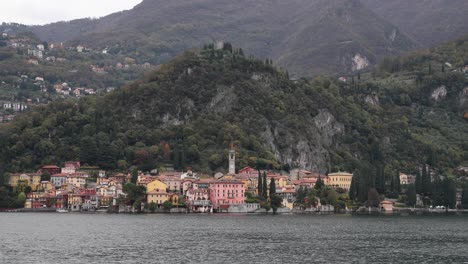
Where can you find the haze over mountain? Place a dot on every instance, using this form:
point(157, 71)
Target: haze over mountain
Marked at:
point(306, 37)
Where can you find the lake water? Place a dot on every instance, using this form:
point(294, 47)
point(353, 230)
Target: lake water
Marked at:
point(218, 238)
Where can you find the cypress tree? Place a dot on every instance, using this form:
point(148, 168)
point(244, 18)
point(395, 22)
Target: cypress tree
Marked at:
point(425, 180)
point(265, 183)
point(418, 182)
point(259, 184)
point(464, 201)
point(272, 187)
point(411, 195)
point(134, 176)
point(397, 182)
point(353, 189)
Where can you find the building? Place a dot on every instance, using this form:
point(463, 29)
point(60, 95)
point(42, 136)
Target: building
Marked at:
point(339, 179)
point(403, 179)
point(232, 161)
point(59, 179)
point(198, 200)
point(156, 185)
point(32, 180)
point(225, 192)
point(51, 169)
point(172, 182)
point(76, 179)
point(386, 206)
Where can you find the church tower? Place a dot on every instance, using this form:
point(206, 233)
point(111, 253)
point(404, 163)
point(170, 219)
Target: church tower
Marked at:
point(232, 160)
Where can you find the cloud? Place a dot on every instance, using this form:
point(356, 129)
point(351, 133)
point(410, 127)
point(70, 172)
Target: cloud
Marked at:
point(39, 12)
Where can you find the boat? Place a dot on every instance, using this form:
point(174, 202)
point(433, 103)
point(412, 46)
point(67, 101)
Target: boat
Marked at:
point(62, 210)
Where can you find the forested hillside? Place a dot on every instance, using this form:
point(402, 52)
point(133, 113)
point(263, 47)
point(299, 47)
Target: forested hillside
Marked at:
point(407, 112)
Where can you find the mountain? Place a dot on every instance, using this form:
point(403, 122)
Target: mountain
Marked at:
point(428, 22)
point(306, 37)
point(407, 112)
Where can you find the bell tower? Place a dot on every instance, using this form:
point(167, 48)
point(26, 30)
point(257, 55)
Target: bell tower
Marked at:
point(232, 160)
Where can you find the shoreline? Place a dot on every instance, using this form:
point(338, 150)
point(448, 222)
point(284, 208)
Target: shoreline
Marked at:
point(400, 211)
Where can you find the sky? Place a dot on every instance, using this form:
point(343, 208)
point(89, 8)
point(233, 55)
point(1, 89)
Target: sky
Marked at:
point(40, 12)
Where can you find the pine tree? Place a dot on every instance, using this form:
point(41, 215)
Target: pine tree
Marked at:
point(272, 187)
point(265, 183)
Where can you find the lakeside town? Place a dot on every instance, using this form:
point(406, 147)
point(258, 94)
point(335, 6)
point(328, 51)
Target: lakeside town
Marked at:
point(76, 188)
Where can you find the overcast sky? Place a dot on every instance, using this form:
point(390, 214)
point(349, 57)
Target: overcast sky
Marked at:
point(39, 12)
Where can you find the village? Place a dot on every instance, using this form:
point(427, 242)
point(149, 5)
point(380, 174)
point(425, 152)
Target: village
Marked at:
point(32, 84)
point(72, 188)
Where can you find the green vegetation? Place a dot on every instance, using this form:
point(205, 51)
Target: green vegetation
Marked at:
point(189, 111)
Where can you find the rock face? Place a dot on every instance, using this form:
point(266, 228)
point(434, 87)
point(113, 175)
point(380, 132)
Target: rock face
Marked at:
point(359, 62)
point(439, 93)
point(372, 100)
point(309, 149)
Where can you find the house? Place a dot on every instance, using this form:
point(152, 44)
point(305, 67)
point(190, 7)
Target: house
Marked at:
point(339, 179)
point(156, 185)
point(198, 200)
point(46, 186)
point(226, 191)
point(157, 196)
point(403, 179)
point(51, 169)
point(172, 182)
point(59, 180)
point(29, 179)
point(307, 183)
point(79, 48)
point(386, 206)
point(76, 180)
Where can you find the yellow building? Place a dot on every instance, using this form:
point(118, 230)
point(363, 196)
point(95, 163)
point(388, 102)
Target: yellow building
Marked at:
point(157, 197)
point(156, 192)
point(340, 179)
point(30, 179)
point(156, 185)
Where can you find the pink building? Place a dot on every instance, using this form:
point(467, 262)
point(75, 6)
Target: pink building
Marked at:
point(225, 192)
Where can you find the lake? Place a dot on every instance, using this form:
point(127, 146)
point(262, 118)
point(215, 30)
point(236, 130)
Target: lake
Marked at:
point(222, 238)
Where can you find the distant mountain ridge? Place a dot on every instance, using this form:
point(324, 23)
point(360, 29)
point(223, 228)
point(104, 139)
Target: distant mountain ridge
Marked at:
point(307, 37)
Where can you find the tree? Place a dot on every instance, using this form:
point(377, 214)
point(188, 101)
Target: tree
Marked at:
point(134, 175)
point(265, 183)
point(152, 207)
point(418, 182)
point(411, 195)
point(319, 184)
point(45, 176)
point(353, 189)
point(167, 205)
point(425, 180)
point(464, 200)
point(88, 151)
point(275, 202)
point(373, 198)
point(260, 184)
point(272, 187)
point(21, 199)
point(134, 193)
